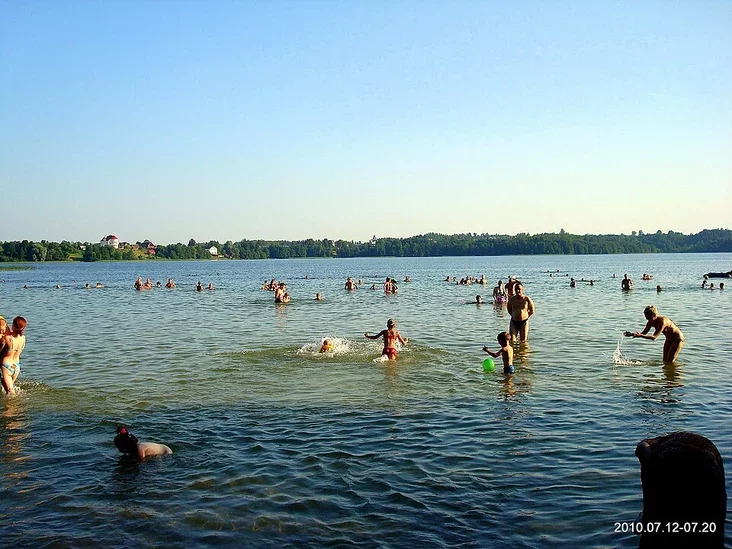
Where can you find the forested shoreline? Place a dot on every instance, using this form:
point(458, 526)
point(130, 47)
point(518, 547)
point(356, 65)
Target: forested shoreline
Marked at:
point(427, 245)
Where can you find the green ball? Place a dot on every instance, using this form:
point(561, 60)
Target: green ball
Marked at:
point(489, 365)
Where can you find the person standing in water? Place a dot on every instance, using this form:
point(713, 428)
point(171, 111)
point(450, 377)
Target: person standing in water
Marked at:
point(11, 346)
point(391, 336)
point(662, 325)
point(521, 308)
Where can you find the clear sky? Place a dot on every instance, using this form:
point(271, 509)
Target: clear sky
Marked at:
point(172, 120)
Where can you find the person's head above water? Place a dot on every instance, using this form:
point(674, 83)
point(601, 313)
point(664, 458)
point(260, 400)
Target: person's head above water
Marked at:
point(19, 324)
point(391, 323)
point(125, 441)
point(650, 312)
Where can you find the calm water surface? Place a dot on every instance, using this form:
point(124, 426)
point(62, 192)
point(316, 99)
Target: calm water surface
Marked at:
point(277, 445)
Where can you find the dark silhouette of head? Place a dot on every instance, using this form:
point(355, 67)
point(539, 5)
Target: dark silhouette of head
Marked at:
point(683, 482)
point(125, 441)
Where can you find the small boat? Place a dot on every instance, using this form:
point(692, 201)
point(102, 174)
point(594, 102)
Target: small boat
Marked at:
point(719, 275)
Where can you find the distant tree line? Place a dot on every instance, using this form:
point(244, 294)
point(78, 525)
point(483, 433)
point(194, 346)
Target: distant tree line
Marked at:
point(427, 245)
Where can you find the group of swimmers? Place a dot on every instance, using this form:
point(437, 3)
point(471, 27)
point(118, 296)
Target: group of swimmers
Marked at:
point(12, 343)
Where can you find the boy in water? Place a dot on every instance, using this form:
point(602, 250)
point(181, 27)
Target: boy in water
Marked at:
point(506, 353)
point(391, 336)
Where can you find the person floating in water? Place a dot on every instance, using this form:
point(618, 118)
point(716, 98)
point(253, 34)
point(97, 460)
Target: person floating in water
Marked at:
point(170, 284)
point(128, 444)
point(662, 325)
point(506, 353)
point(478, 301)
point(11, 347)
point(391, 336)
point(521, 308)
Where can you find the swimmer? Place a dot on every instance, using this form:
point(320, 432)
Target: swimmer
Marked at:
point(58, 286)
point(658, 288)
point(170, 283)
point(721, 285)
point(506, 353)
point(499, 293)
point(128, 444)
point(521, 308)
point(11, 347)
point(210, 286)
point(407, 279)
point(511, 286)
point(99, 285)
point(350, 285)
point(704, 283)
point(572, 283)
point(199, 286)
point(391, 336)
point(626, 283)
point(158, 285)
point(86, 286)
point(478, 301)
point(318, 297)
point(662, 325)
point(280, 293)
point(327, 346)
point(138, 283)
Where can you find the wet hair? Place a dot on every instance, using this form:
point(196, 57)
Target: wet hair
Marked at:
point(19, 324)
point(650, 310)
point(503, 336)
point(390, 323)
point(125, 441)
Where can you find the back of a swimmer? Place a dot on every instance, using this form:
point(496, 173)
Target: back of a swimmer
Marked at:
point(128, 444)
point(391, 335)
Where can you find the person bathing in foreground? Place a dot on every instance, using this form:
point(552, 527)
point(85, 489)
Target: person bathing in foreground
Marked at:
point(662, 325)
point(506, 353)
point(127, 443)
point(391, 335)
point(11, 346)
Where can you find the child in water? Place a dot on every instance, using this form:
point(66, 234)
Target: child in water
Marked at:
point(327, 346)
point(506, 353)
point(127, 443)
point(391, 336)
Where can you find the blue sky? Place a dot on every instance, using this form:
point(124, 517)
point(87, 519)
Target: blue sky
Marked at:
point(222, 120)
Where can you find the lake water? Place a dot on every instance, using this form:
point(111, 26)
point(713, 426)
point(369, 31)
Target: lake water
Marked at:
point(276, 445)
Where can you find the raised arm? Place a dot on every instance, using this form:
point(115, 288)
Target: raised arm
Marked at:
point(377, 336)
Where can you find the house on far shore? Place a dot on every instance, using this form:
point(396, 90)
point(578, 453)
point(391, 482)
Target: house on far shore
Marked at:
point(149, 246)
point(111, 240)
point(213, 251)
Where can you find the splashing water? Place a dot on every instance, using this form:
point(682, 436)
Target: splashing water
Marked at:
point(620, 358)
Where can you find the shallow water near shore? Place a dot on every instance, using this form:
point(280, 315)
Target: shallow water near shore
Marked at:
point(276, 444)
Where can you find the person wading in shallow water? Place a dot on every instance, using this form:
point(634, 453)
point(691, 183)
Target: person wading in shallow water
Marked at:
point(521, 308)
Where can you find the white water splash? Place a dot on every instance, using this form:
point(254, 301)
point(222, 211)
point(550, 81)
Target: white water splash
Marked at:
point(620, 358)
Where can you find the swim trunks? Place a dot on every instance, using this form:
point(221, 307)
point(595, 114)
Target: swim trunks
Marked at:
point(518, 324)
point(509, 369)
point(12, 367)
point(391, 353)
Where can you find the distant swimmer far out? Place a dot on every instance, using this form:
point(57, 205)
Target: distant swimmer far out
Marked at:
point(350, 285)
point(661, 325)
point(391, 336)
point(626, 283)
point(128, 444)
